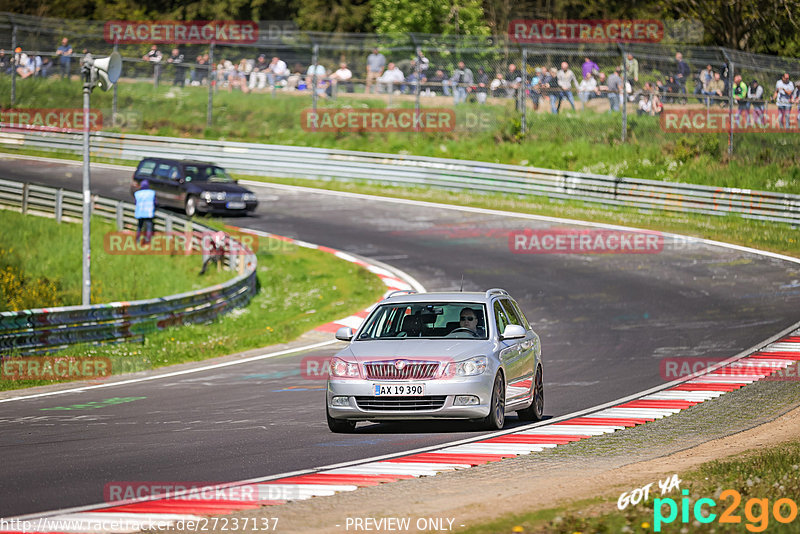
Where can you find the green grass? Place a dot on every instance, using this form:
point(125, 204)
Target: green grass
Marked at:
point(585, 141)
point(765, 474)
point(38, 247)
point(299, 288)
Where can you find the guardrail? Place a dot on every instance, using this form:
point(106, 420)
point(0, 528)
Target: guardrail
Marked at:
point(305, 162)
point(42, 330)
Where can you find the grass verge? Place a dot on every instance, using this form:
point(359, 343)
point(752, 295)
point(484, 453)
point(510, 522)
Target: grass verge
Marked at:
point(299, 288)
point(586, 141)
point(750, 490)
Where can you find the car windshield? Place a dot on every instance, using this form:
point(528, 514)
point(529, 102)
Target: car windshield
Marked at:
point(206, 173)
point(432, 320)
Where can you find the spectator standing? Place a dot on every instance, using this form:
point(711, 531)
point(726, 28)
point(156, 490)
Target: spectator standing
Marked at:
point(550, 86)
point(535, 87)
point(783, 97)
point(375, 65)
point(566, 79)
point(436, 84)
point(391, 78)
point(462, 80)
point(154, 56)
point(682, 73)
point(277, 72)
point(64, 53)
point(704, 78)
point(614, 90)
point(481, 86)
point(176, 60)
point(589, 67)
point(632, 65)
point(200, 71)
point(144, 212)
point(755, 94)
point(740, 96)
point(513, 80)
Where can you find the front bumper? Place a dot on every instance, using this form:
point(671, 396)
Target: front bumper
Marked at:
point(221, 206)
point(479, 386)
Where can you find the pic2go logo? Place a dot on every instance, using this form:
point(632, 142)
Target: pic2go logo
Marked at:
point(756, 511)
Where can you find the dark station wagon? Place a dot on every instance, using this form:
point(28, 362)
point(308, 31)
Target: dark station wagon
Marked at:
point(193, 186)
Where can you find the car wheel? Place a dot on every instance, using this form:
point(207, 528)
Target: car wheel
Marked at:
point(497, 407)
point(191, 206)
point(535, 411)
point(339, 426)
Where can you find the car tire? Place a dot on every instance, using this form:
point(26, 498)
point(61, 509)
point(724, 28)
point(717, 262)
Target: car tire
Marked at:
point(340, 426)
point(535, 411)
point(190, 208)
point(497, 406)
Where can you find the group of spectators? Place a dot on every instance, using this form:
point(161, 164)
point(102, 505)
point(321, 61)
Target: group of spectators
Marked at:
point(37, 65)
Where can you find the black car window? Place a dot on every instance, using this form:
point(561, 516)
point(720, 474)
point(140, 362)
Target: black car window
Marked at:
point(164, 170)
point(521, 315)
point(146, 168)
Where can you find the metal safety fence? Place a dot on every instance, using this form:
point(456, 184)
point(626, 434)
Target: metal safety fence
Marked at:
point(316, 163)
point(43, 330)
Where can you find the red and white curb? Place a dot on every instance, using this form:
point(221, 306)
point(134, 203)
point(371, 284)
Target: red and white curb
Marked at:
point(173, 511)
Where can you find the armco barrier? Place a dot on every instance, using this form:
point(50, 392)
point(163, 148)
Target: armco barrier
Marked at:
point(41, 330)
point(305, 162)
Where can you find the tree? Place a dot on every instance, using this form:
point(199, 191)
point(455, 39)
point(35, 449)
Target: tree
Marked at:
point(352, 16)
point(453, 17)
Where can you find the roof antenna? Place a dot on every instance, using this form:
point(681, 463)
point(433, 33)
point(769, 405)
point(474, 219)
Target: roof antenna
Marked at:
point(462, 283)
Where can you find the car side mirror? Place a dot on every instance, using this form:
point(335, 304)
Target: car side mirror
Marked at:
point(513, 331)
point(345, 333)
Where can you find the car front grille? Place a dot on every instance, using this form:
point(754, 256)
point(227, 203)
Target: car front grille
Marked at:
point(396, 404)
point(408, 370)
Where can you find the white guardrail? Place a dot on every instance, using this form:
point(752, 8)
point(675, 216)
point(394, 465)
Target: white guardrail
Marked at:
point(42, 330)
point(320, 163)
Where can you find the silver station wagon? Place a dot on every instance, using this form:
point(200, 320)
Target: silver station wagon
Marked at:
point(437, 356)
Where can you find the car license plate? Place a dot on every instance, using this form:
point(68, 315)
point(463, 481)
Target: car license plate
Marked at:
point(399, 390)
point(235, 205)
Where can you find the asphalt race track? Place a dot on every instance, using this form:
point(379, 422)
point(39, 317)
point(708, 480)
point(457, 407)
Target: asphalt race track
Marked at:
point(606, 322)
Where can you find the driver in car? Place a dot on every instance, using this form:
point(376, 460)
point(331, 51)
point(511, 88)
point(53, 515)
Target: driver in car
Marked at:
point(469, 319)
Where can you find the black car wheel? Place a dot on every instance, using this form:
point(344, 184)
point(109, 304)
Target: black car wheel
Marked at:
point(535, 411)
point(339, 426)
point(191, 206)
point(497, 407)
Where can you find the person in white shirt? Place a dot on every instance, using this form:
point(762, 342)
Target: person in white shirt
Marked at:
point(278, 71)
point(587, 88)
point(319, 71)
point(391, 77)
point(342, 74)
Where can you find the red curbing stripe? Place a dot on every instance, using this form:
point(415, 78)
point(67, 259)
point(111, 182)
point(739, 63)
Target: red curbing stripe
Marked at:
point(790, 339)
point(177, 507)
point(327, 249)
point(710, 386)
point(524, 438)
point(607, 421)
point(328, 327)
point(670, 404)
point(446, 458)
point(336, 478)
point(776, 355)
point(737, 371)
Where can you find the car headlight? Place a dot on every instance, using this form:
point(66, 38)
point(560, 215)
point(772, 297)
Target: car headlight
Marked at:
point(341, 368)
point(249, 197)
point(208, 196)
point(472, 367)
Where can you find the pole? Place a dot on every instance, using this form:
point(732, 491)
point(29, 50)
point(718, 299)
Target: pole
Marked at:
point(211, 85)
point(314, 59)
point(86, 287)
point(114, 100)
point(730, 101)
point(14, 65)
point(624, 95)
point(524, 117)
point(419, 81)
